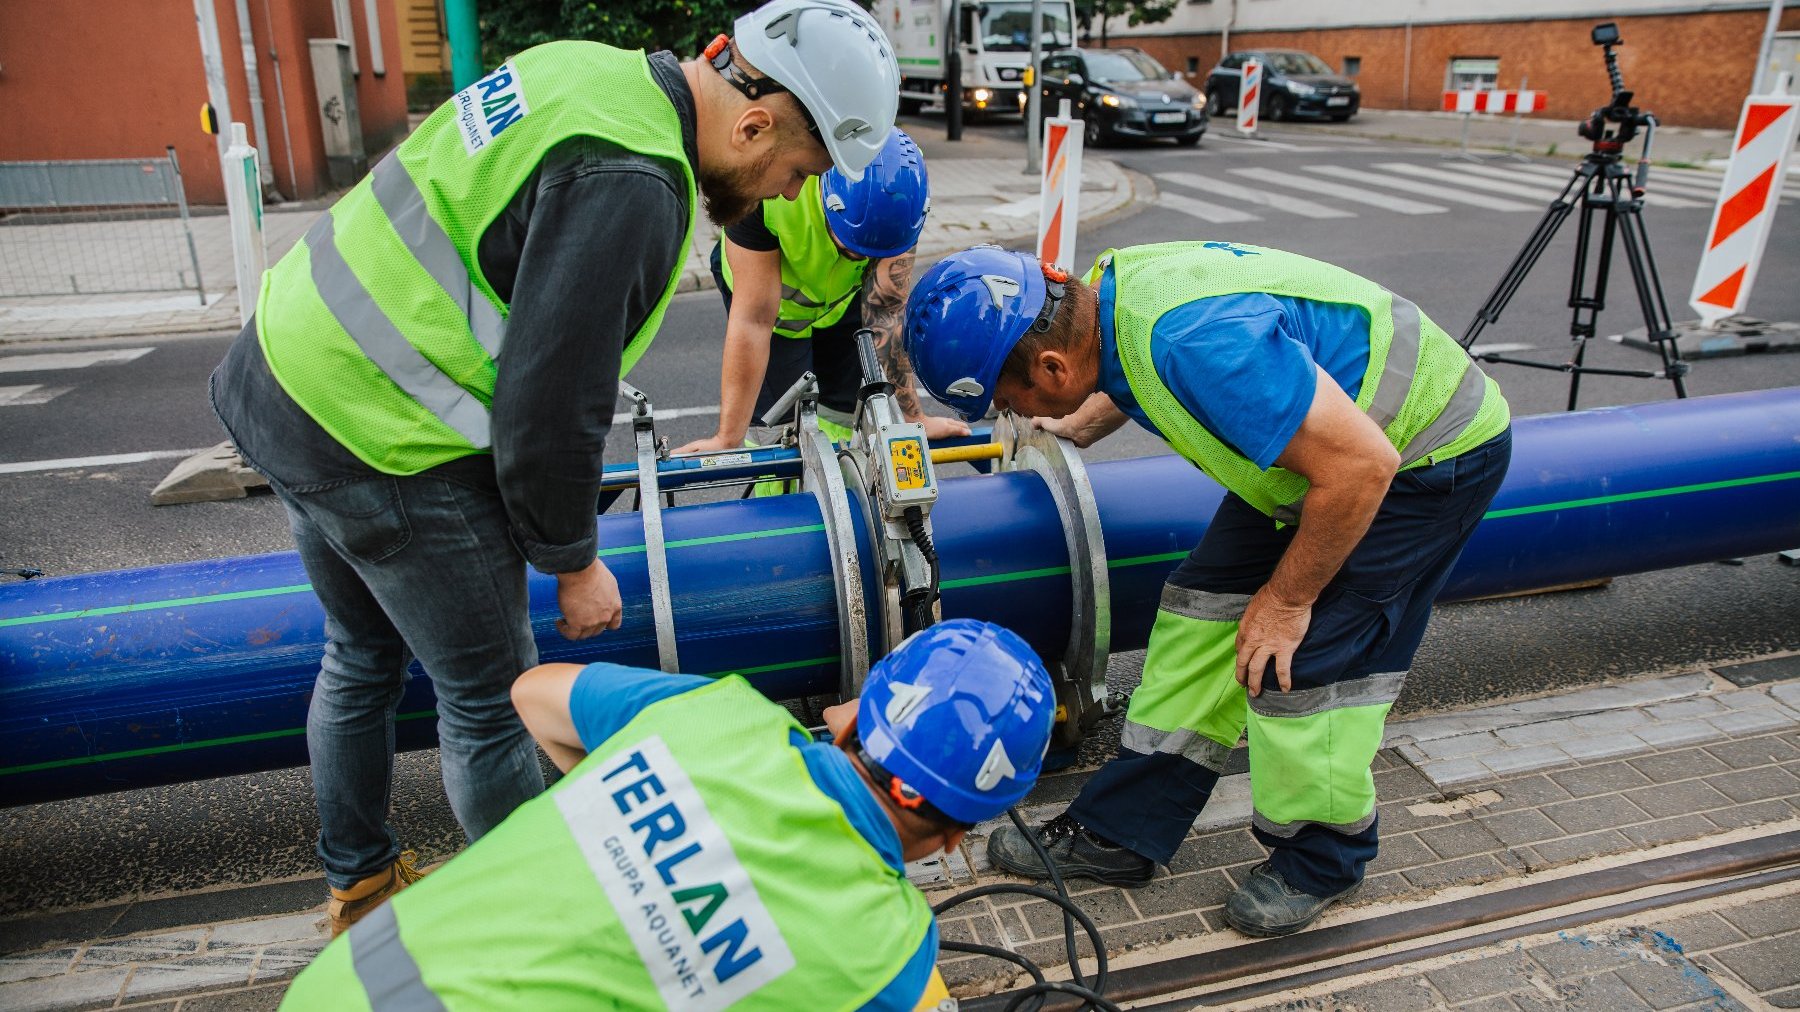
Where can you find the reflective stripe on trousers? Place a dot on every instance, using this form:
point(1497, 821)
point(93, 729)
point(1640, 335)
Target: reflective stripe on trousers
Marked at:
point(356, 311)
point(1310, 749)
point(388, 973)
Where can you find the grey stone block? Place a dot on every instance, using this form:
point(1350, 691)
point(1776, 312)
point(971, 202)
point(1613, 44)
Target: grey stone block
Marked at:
point(1107, 907)
point(1765, 965)
point(1685, 798)
point(1602, 991)
point(1520, 760)
point(1759, 814)
point(1611, 720)
point(1216, 850)
point(1398, 851)
point(1448, 773)
point(1183, 892)
point(1409, 994)
point(1787, 693)
point(37, 964)
point(92, 989)
point(1741, 722)
point(1682, 827)
point(1528, 825)
point(255, 999)
point(1784, 999)
point(1682, 709)
point(1667, 985)
point(1744, 699)
point(1403, 785)
point(1756, 784)
point(268, 931)
point(1478, 978)
point(1587, 815)
point(143, 948)
point(1681, 732)
point(1700, 932)
point(1765, 918)
point(1577, 953)
point(1751, 752)
point(1603, 746)
point(1461, 746)
point(1376, 888)
point(1683, 764)
point(1586, 781)
point(1498, 1003)
point(1578, 848)
point(163, 980)
point(1463, 871)
point(1527, 792)
point(1460, 839)
point(1540, 733)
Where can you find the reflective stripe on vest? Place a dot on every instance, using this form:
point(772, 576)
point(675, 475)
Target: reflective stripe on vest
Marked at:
point(405, 208)
point(356, 311)
point(388, 973)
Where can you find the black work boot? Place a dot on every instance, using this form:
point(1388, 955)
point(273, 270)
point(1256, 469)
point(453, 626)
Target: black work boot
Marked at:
point(1267, 907)
point(1077, 853)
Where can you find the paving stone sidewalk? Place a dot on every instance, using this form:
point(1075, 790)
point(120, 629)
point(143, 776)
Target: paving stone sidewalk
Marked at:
point(1471, 798)
point(973, 200)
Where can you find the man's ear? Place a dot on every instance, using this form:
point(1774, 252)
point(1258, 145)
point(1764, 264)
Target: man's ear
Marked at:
point(1055, 366)
point(754, 125)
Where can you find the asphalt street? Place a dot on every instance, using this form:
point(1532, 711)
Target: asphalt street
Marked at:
point(1382, 209)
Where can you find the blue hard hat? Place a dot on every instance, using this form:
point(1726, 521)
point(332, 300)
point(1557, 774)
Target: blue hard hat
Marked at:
point(883, 214)
point(964, 316)
point(959, 714)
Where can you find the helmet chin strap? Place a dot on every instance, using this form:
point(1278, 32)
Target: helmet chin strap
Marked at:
point(718, 53)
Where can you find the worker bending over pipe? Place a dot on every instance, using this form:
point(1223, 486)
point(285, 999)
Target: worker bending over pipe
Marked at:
point(1290, 382)
point(704, 851)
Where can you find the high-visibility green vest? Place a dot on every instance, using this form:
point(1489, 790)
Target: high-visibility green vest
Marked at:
point(689, 862)
point(380, 323)
point(1424, 391)
point(819, 283)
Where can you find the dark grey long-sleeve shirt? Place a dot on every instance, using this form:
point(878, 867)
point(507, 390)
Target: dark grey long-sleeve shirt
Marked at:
point(581, 254)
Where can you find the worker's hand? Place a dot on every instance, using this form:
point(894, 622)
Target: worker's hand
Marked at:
point(1096, 419)
point(1067, 427)
point(1271, 630)
point(711, 444)
point(937, 427)
point(589, 600)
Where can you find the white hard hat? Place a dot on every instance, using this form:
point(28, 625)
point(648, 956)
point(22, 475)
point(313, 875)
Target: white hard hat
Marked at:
point(834, 58)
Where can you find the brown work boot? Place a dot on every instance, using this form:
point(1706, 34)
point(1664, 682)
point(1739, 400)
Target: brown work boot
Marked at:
point(348, 906)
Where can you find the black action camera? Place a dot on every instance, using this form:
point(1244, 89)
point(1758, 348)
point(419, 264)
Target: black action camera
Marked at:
point(1617, 122)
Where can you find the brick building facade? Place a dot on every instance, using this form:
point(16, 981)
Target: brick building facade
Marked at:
point(1691, 67)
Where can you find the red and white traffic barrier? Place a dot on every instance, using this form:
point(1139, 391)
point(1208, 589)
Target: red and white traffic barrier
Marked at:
point(1746, 209)
point(1249, 96)
point(1468, 100)
point(1060, 185)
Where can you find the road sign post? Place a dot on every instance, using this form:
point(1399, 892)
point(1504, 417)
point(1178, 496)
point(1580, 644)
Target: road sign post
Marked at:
point(1061, 187)
point(1249, 98)
point(1747, 201)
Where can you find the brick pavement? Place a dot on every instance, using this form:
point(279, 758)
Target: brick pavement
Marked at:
point(1448, 829)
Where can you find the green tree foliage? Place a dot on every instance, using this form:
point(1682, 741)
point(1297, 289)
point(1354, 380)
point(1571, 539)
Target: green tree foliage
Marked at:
point(683, 26)
point(1135, 12)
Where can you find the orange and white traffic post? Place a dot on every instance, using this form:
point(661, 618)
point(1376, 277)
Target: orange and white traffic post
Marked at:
point(1250, 97)
point(1746, 209)
point(1061, 187)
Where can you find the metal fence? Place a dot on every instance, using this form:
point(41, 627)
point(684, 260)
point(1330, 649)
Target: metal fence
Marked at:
point(96, 227)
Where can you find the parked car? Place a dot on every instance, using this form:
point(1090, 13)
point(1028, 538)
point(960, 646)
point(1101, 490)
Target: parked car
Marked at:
point(1294, 84)
point(1123, 93)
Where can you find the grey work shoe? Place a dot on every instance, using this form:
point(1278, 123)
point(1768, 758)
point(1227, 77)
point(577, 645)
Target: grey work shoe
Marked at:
point(1077, 853)
point(1266, 906)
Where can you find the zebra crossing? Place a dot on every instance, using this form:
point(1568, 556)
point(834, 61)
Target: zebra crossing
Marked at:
point(1305, 187)
point(26, 394)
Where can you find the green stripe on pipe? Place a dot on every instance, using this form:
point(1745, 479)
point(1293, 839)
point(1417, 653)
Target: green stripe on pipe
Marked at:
point(1032, 574)
point(1654, 493)
point(300, 588)
point(184, 746)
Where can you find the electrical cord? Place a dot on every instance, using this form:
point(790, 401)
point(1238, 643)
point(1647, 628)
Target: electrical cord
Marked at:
point(920, 601)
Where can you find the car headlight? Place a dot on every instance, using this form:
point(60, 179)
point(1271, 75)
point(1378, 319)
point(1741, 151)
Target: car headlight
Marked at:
point(1118, 101)
point(1199, 100)
point(982, 94)
point(1301, 89)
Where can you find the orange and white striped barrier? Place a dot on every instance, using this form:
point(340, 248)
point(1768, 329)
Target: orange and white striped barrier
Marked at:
point(1249, 96)
point(1060, 186)
point(1469, 100)
point(1746, 209)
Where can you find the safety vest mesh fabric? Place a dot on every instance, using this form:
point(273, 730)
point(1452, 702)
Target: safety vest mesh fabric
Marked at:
point(1435, 377)
point(818, 282)
point(380, 323)
point(522, 919)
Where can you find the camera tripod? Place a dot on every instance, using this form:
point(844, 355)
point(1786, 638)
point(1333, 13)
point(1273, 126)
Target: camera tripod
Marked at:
point(1601, 187)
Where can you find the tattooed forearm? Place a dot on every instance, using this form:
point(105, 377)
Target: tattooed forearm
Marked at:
point(884, 306)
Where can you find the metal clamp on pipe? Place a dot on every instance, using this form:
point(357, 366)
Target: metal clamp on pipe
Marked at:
point(822, 476)
point(656, 556)
point(1080, 677)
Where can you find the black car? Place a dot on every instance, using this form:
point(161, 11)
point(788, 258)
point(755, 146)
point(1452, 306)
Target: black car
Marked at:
point(1294, 84)
point(1123, 93)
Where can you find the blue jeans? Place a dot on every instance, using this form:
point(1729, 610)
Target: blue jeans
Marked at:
point(1370, 618)
point(412, 567)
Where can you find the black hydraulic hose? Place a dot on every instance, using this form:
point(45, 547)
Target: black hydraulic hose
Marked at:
point(1091, 996)
point(921, 600)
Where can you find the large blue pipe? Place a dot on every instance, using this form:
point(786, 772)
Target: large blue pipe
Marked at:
point(112, 681)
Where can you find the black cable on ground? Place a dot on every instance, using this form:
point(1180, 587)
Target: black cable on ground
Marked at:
point(1091, 995)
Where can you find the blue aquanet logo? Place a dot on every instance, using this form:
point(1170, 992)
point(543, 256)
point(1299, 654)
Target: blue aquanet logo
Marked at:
point(1229, 248)
point(489, 106)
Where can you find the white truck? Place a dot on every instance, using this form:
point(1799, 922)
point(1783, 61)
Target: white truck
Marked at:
point(996, 48)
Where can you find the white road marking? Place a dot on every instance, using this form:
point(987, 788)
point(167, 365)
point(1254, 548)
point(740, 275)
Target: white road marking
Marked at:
point(1422, 189)
point(1526, 188)
point(113, 459)
point(1220, 188)
point(1201, 209)
point(12, 397)
point(1339, 190)
point(70, 359)
point(1262, 144)
point(1706, 191)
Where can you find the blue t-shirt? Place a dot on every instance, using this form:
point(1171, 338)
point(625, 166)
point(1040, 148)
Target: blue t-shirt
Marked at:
point(1242, 365)
point(606, 697)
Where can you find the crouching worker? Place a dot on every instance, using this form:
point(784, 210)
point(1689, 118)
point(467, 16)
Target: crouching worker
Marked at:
point(1358, 446)
point(704, 852)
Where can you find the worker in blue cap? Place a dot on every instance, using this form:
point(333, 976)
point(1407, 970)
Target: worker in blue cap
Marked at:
point(1358, 445)
point(704, 851)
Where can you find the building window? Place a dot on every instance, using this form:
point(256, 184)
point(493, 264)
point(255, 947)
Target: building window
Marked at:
point(1473, 73)
point(1352, 66)
point(1193, 64)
